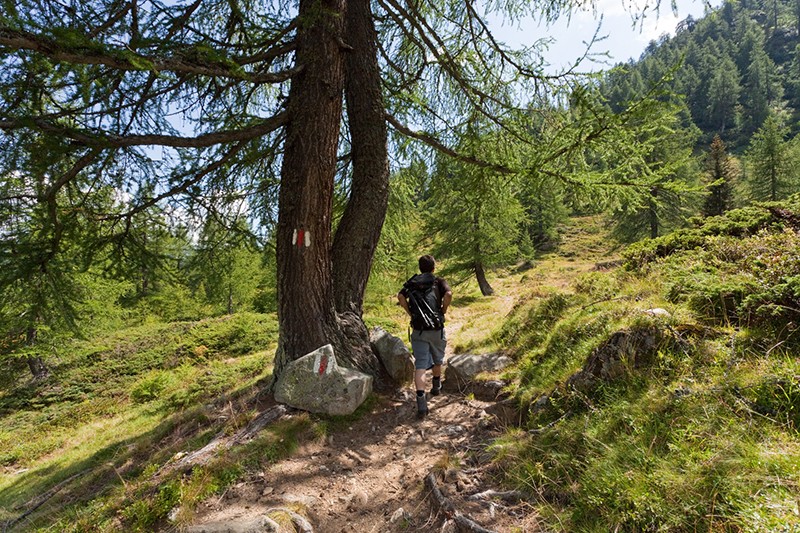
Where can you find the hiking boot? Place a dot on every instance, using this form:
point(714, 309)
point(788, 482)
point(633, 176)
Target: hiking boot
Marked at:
point(437, 387)
point(422, 406)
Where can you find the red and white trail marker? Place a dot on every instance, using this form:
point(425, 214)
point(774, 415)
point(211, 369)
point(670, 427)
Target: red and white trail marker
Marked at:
point(301, 238)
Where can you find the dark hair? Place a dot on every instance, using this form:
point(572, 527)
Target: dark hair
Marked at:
point(426, 263)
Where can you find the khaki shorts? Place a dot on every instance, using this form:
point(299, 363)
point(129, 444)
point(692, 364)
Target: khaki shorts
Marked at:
point(428, 347)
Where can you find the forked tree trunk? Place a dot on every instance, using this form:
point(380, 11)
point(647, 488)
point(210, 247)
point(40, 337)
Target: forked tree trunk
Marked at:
point(320, 287)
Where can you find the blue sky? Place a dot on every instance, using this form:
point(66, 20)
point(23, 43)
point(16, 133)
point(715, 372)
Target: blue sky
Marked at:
point(624, 39)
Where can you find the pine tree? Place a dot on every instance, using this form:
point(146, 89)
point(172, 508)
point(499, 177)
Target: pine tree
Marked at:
point(720, 176)
point(474, 214)
point(227, 264)
point(768, 162)
point(664, 193)
point(723, 96)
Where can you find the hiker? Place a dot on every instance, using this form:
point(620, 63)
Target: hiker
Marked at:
point(425, 298)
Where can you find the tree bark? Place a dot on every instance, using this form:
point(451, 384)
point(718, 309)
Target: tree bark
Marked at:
point(652, 213)
point(306, 315)
point(36, 363)
point(321, 283)
point(320, 286)
point(483, 283)
point(360, 227)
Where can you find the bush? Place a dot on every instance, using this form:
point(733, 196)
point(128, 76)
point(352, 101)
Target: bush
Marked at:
point(151, 386)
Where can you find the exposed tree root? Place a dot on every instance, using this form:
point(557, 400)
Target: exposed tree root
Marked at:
point(300, 523)
point(462, 522)
point(509, 496)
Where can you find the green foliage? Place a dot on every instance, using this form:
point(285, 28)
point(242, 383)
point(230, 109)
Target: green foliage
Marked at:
point(735, 223)
point(734, 67)
point(740, 267)
point(474, 214)
point(753, 281)
point(770, 175)
point(145, 513)
point(228, 268)
point(150, 386)
point(680, 432)
point(664, 180)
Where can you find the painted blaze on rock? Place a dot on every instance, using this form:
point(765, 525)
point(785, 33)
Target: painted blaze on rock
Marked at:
point(316, 383)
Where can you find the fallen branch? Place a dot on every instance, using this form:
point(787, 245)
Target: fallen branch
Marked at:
point(38, 502)
point(463, 522)
point(222, 442)
point(508, 496)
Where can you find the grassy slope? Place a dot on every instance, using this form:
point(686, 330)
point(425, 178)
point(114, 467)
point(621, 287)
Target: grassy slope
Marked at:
point(121, 402)
point(700, 434)
point(689, 442)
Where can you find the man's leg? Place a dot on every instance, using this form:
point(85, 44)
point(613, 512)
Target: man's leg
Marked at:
point(437, 347)
point(419, 378)
point(436, 386)
point(422, 362)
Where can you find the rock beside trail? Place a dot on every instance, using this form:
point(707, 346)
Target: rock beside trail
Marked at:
point(624, 351)
point(316, 383)
point(259, 524)
point(462, 369)
point(394, 355)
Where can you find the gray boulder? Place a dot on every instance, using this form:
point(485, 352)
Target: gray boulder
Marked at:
point(317, 384)
point(394, 355)
point(463, 368)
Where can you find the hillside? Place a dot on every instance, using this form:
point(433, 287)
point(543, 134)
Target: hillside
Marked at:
point(734, 66)
point(615, 417)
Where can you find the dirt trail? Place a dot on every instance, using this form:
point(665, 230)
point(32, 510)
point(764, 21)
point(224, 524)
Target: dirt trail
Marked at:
point(370, 477)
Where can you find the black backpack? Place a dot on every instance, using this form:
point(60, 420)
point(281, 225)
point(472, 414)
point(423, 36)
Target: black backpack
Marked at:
point(423, 302)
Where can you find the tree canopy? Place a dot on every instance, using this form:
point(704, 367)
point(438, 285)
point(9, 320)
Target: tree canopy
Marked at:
point(196, 108)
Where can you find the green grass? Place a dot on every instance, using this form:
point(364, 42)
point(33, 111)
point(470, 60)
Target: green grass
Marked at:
point(702, 436)
point(120, 402)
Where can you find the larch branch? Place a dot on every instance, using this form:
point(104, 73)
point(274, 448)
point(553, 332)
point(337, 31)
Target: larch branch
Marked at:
point(126, 60)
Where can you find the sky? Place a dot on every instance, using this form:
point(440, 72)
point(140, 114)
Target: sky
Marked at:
point(623, 40)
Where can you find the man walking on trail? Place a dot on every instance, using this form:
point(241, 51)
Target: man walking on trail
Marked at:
point(425, 298)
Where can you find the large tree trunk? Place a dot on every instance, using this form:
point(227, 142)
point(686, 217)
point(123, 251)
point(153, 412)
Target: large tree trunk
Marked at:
point(306, 315)
point(320, 287)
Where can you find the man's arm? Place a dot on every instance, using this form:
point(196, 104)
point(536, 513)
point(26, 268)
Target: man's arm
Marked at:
point(401, 299)
point(448, 297)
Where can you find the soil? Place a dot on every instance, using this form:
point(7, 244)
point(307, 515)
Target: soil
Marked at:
point(370, 477)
